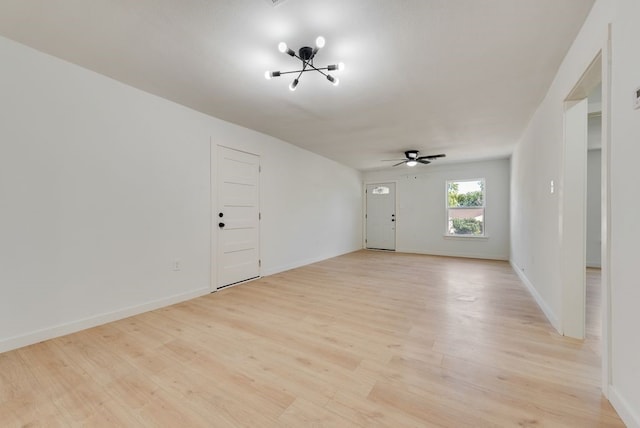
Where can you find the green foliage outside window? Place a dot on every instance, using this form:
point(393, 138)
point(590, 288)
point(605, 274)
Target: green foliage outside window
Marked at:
point(467, 226)
point(469, 199)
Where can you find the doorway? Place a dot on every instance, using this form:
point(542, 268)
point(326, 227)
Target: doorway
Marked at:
point(381, 216)
point(237, 219)
point(573, 209)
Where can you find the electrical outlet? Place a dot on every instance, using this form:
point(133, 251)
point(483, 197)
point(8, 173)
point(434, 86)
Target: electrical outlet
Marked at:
point(552, 188)
point(176, 265)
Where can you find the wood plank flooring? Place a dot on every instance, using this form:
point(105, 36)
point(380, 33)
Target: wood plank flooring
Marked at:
point(366, 339)
point(593, 315)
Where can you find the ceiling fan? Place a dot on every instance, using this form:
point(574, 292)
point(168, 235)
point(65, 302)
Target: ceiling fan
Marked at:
point(412, 158)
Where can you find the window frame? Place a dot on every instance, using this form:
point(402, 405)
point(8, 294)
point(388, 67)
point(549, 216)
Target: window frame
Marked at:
point(483, 207)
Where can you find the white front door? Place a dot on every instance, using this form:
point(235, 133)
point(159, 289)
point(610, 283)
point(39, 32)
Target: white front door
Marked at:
point(381, 216)
point(238, 217)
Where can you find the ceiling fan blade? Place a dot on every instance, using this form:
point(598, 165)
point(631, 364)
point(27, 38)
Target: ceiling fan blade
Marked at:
point(432, 156)
point(400, 163)
point(392, 160)
point(423, 161)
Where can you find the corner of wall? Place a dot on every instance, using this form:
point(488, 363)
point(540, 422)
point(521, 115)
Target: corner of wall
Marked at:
point(553, 319)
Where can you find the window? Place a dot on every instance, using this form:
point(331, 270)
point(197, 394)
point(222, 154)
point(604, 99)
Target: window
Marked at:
point(380, 190)
point(465, 207)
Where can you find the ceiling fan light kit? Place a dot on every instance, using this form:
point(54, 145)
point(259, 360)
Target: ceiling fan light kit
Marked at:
point(306, 54)
point(412, 158)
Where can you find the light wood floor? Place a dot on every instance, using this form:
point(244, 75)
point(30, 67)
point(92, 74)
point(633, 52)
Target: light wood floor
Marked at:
point(366, 339)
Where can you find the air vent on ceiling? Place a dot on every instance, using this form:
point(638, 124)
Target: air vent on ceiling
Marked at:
point(275, 2)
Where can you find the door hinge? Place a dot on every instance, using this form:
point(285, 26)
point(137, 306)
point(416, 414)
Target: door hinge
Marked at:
point(259, 216)
point(259, 168)
point(259, 263)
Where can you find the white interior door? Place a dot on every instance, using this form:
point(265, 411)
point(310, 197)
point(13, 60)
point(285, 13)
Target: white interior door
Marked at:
point(238, 217)
point(381, 216)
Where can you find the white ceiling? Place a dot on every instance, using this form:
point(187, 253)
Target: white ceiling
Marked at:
point(460, 77)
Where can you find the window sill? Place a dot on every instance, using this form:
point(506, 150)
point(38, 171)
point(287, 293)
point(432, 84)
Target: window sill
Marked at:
point(466, 237)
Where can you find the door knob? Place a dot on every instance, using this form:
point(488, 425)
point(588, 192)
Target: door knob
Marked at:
point(220, 225)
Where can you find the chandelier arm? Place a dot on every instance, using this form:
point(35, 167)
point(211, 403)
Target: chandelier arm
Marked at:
point(309, 62)
point(304, 71)
point(296, 56)
point(293, 71)
point(304, 66)
point(319, 70)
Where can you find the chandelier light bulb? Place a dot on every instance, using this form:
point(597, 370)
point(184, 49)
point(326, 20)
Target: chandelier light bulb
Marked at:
point(412, 163)
point(320, 42)
point(282, 47)
point(269, 74)
point(341, 66)
point(336, 81)
point(293, 85)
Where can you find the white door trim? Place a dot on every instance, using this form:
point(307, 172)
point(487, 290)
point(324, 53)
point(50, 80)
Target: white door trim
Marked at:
point(606, 338)
point(606, 216)
point(213, 208)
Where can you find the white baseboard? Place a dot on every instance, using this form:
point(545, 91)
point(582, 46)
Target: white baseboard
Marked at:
point(300, 263)
point(83, 324)
point(553, 319)
point(481, 256)
point(628, 415)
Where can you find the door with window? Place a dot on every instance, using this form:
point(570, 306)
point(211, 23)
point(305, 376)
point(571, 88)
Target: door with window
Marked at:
point(381, 216)
point(237, 218)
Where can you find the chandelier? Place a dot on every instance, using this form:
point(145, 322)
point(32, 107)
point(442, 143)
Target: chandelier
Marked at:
point(306, 55)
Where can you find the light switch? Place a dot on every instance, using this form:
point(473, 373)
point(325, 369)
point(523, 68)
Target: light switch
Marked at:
point(552, 188)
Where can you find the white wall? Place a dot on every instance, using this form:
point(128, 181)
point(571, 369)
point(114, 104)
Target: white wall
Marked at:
point(594, 208)
point(625, 232)
point(535, 240)
point(102, 186)
point(311, 208)
point(421, 215)
point(536, 162)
